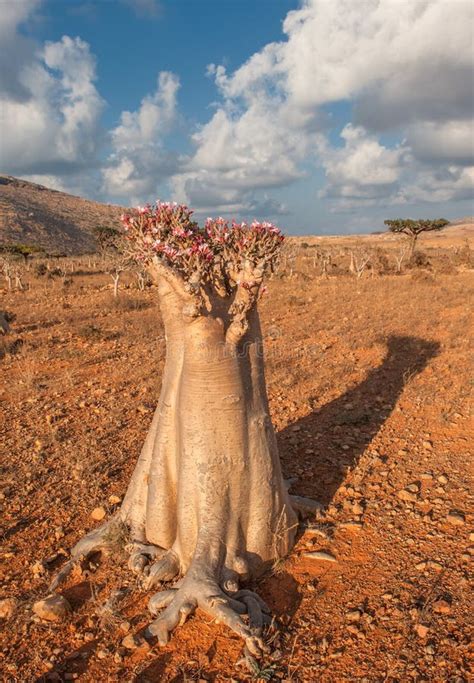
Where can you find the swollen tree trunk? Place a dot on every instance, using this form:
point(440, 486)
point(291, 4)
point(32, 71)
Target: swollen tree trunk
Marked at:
point(208, 485)
point(206, 500)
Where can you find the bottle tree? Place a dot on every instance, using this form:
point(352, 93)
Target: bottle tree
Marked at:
point(413, 228)
point(206, 509)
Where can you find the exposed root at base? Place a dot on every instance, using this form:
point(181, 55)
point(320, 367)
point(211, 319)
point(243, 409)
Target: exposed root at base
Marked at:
point(141, 555)
point(305, 506)
point(165, 569)
point(196, 589)
point(179, 603)
point(95, 541)
point(112, 534)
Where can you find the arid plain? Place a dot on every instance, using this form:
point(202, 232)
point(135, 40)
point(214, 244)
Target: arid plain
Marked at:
point(369, 383)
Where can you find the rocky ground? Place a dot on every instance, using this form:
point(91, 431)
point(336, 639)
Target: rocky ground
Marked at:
point(369, 382)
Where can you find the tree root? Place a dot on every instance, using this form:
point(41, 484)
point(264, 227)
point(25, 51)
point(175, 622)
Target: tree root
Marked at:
point(179, 603)
point(165, 569)
point(103, 538)
point(173, 606)
point(305, 506)
point(95, 541)
point(141, 555)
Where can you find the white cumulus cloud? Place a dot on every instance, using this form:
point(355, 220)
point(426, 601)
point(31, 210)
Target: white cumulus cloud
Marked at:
point(139, 161)
point(54, 129)
point(404, 67)
point(362, 168)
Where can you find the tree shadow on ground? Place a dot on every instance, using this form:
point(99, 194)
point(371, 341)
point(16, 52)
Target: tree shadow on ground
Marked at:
point(352, 420)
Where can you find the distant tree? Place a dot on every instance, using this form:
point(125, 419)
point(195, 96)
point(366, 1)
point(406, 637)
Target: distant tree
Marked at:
point(107, 238)
point(413, 228)
point(23, 250)
point(360, 259)
point(11, 270)
point(111, 246)
point(114, 265)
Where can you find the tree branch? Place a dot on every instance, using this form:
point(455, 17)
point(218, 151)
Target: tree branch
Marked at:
point(158, 268)
point(248, 286)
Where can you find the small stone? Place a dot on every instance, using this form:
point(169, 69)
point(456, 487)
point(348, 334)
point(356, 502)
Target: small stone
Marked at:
point(421, 630)
point(131, 641)
point(442, 607)
point(428, 445)
point(430, 649)
point(114, 500)
point(420, 566)
point(316, 531)
point(38, 568)
point(426, 476)
point(351, 526)
point(357, 509)
point(125, 626)
point(456, 518)
point(320, 555)
point(471, 536)
point(352, 628)
point(443, 479)
point(98, 514)
point(7, 607)
point(414, 487)
point(407, 496)
point(353, 615)
point(437, 566)
point(102, 654)
point(52, 608)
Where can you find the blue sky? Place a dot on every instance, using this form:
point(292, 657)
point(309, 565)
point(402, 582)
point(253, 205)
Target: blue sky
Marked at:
point(326, 116)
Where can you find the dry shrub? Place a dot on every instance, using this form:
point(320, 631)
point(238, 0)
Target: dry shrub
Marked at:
point(9, 346)
point(463, 256)
point(40, 269)
point(91, 332)
point(380, 262)
point(129, 304)
point(419, 260)
point(444, 265)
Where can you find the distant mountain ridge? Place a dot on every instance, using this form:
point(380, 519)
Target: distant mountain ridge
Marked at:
point(60, 222)
point(37, 215)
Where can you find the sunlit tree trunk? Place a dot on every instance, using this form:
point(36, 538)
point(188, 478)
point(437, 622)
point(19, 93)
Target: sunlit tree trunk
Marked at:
point(207, 501)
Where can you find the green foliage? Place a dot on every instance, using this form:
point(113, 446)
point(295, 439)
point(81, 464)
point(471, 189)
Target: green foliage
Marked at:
point(24, 250)
point(412, 227)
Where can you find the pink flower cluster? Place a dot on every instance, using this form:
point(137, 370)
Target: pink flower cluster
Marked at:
point(241, 236)
point(167, 229)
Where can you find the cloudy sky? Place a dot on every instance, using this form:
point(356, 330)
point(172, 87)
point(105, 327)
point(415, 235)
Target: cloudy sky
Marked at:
point(324, 115)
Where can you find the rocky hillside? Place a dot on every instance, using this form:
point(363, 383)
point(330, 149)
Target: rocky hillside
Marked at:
point(60, 222)
point(33, 214)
